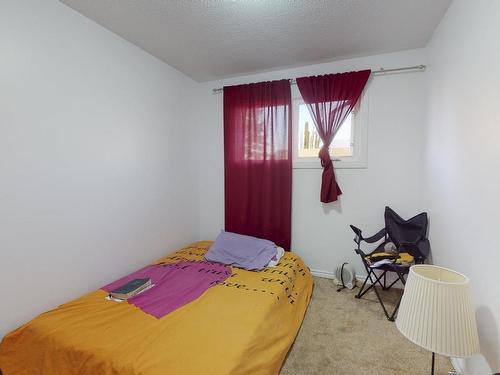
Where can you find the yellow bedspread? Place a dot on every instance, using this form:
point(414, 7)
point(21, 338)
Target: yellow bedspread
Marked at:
point(244, 326)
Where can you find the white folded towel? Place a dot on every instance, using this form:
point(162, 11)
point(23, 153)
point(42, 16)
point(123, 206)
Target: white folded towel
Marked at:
point(275, 260)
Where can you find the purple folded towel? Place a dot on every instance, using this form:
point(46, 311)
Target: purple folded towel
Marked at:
point(246, 252)
point(175, 285)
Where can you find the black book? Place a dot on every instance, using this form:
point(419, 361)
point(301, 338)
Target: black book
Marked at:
point(130, 289)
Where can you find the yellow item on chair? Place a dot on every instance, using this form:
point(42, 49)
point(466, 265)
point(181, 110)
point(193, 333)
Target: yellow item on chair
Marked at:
point(404, 258)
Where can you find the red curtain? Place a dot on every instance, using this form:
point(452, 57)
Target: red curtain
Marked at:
point(330, 99)
point(258, 160)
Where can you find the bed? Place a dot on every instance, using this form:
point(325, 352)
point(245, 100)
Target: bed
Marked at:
point(243, 325)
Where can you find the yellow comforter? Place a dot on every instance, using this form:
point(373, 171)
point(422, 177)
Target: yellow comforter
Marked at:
point(244, 326)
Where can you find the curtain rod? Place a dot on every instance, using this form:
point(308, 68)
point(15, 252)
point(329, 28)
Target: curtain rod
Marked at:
point(380, 71)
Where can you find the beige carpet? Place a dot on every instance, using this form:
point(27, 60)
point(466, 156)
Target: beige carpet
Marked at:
point(344, 335)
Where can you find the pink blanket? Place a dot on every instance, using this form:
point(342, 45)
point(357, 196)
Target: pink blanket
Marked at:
point(174, 285)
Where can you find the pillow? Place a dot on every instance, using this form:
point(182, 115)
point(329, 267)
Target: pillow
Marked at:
point(246, 252)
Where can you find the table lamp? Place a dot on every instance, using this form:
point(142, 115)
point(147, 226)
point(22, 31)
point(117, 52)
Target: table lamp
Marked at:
point(436, 312)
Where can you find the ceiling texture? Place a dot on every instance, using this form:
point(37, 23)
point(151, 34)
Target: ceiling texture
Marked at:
point(213, 39)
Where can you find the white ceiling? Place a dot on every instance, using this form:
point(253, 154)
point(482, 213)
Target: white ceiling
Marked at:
point(212, 39)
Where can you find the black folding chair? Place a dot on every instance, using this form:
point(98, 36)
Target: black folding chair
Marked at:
point(412, 246)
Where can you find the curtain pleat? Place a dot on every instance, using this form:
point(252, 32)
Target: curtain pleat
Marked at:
point(330, 99)
point(258, 160)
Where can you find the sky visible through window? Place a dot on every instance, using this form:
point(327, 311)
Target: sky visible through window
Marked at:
point(309, 142)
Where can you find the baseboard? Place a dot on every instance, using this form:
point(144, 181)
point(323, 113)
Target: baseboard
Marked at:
point(476, 365)
point(323, 274)
point(359, 278)
point(331, 275)
point(457, 365)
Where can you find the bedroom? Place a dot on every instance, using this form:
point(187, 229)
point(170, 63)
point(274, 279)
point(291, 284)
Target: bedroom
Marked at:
point(112, 149)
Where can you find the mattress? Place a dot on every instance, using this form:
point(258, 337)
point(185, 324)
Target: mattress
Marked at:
point(243, 325)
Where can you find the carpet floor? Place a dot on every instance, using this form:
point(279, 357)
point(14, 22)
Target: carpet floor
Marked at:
point(345, 335)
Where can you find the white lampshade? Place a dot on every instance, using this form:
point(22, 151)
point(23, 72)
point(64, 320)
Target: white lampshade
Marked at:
point(436, 312)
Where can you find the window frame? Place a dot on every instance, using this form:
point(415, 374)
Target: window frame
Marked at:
point(360, 137)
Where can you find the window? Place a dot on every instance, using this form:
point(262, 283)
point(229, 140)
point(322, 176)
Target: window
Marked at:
point(309, 142)
point(348, 149)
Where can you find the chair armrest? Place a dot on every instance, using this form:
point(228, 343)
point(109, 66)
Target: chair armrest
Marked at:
point(359, 236)
point(360, 252)
point(376, 237)
point(357, 232)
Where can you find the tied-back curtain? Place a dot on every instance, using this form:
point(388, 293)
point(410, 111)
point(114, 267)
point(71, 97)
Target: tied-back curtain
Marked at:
point(258, 160)
point(330, 99)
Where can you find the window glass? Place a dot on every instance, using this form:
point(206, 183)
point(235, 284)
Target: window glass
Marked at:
point(309, 142)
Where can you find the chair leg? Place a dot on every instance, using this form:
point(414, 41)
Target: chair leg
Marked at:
point(359, 294)
point(396, 308)
point(392, 318)
point(392, 284)
point(380, 299)
point(400, 277)
point(382, 276)
point(363, 291)
point(368, 270)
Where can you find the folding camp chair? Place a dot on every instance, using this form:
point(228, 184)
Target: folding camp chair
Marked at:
point(410, 246)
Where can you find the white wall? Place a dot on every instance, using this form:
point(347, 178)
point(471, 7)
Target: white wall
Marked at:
point(94, 182)
point(321, 233)
point(462, 156)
